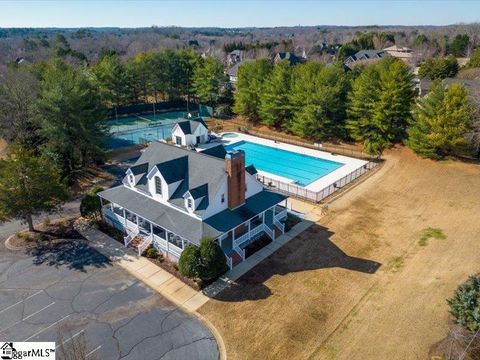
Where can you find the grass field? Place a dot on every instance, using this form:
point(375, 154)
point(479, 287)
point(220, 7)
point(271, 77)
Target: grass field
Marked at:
point(370, 279)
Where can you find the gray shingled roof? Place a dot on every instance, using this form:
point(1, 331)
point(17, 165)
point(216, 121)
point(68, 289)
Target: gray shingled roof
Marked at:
point(251, 169)
point(216, 151)
point(187, 226)
point(175, 163)
point(162, 215)
point(189, 126)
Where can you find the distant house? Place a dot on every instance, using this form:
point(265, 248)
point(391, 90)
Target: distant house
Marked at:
point(232, 73)
point(290, 57)
point(190, 132)
point(173, 197)
point(235, 57)
point(399, 52)
point(364, 57)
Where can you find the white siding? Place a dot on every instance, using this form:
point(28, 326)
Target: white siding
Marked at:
point(190, 139)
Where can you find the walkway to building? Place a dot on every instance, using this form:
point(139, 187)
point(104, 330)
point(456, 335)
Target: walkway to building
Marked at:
point(154, 276)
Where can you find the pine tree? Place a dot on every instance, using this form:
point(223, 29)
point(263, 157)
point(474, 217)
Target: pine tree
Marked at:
point(207, 80)
point(71, 117)
point(318, 99)
point(380, 103)
point(250, 81)
point(29, 185)
point(275, 107)
point(441, 121)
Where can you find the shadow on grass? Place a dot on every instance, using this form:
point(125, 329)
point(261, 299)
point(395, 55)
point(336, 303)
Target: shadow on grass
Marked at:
point(311, 250)
point(74, 254)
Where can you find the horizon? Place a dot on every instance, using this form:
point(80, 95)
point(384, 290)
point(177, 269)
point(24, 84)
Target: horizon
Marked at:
point(236, 14)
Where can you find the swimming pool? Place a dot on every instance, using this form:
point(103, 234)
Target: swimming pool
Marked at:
point(132, 130)
point(303, 169)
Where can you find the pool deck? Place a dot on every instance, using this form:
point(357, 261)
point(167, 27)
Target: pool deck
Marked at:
point(350, 164)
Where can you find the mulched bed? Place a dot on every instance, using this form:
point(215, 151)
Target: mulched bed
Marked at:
point(110, 231)
point(172, 268)
point(258, 244)
point(48, 231)
point(291, 221)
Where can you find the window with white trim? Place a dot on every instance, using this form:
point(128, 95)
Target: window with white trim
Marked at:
point(223, 198)
point(189, 203)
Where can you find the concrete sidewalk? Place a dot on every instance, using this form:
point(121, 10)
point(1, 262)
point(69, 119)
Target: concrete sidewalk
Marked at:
point(154, 276)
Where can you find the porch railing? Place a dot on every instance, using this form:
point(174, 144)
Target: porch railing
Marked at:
point(255, 231)
point(144, 245)
point(281, 214)
point(269, 231)
point(239, 251)
point(241, 239)
point(128, 239)
point(279, 225)
point(229, 262)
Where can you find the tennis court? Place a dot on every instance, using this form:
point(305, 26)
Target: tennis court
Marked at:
point(141, 129)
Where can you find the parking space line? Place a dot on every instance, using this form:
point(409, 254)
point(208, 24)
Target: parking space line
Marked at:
point(19, 302)
point(91, 352)
point(63, 343)
point(28, 317)
point(48, 327)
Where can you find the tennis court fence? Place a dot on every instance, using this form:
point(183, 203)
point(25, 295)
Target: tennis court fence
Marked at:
point(310, 195)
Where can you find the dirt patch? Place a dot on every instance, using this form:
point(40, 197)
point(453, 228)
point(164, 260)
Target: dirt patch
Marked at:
point(3, 148)
point(47, 232)
point(357, 285)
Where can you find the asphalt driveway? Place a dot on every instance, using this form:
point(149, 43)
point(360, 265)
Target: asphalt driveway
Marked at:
point(73, 295)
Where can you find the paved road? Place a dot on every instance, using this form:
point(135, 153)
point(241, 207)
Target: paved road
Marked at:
point(71, 294)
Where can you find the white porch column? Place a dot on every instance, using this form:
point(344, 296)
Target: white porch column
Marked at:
point(168, 243)
point(111, 206)
point(263, 217)
point(124, 217)
point(183, 243)
point(249, 226)
point(151, 229)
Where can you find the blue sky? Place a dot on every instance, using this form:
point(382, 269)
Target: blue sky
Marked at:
point(235, 13)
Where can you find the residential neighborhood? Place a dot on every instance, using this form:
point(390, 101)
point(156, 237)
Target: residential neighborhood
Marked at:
point(240, 180)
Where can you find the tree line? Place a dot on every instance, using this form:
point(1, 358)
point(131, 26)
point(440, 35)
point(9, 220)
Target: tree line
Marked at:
point(375, 105)
point(53, 117)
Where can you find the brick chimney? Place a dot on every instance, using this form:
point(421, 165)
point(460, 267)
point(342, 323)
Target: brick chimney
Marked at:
point(235, 168)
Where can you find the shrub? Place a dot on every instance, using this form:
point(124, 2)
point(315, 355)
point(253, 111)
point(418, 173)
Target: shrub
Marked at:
point(189, 262)
point(152, 253)
point(465, 304)
point(213, 262)
point(91, 205)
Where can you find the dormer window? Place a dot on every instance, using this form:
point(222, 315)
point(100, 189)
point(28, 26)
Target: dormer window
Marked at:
point(189, 203)
point(130, 178)
point(223, 198)
point(158, 185)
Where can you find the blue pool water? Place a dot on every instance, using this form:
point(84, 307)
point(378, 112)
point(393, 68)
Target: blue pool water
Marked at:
point(304, 169)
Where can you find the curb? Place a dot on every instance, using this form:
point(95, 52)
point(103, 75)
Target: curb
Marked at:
point(216, 334)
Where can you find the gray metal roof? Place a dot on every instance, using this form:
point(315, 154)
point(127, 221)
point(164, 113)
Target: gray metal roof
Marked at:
point(254, 205)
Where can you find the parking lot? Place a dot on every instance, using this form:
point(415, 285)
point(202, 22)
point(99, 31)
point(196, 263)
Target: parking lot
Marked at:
point(71, 294)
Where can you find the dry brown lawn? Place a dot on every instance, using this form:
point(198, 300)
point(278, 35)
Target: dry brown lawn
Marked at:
point(357, 284)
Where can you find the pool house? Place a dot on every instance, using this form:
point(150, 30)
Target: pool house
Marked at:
point(173, 197)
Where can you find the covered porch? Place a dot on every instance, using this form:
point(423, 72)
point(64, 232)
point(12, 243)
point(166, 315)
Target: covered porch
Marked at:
point(140, 232)
point(269, 222)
